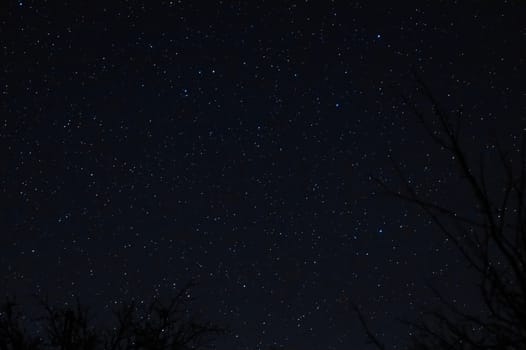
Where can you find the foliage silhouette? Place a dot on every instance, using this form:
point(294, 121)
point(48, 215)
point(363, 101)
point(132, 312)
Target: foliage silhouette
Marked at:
point(161, 326)
point(492, 242)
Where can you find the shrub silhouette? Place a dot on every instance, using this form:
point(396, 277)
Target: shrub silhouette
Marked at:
point(160, 326)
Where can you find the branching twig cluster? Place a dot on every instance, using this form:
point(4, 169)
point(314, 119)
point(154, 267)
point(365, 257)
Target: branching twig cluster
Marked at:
point(492, 243)
point(162, 326)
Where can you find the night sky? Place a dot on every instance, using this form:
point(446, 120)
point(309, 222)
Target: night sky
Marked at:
point(230, 142)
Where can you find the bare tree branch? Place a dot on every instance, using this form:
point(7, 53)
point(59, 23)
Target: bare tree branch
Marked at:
point(493, 244)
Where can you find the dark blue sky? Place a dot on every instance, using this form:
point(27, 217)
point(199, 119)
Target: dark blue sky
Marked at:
point(233, 143)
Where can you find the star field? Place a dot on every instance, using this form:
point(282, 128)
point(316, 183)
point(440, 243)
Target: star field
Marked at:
point(147, 144)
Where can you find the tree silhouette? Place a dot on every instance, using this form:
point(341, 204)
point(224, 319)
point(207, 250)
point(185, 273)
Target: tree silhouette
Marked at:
point(161, 326)
point(492, 241)
point(13, 334)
